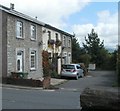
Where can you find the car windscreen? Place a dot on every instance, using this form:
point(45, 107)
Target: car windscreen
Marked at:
point(68, 67)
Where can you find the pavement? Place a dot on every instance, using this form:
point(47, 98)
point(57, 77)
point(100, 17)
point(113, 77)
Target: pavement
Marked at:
point(54, 82)
point(57, 81)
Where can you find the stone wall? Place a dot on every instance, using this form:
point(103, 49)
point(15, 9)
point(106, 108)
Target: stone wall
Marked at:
point(25, 44)
point(4, 44)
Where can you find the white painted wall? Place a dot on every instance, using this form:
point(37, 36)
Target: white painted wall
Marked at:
point(45, 44)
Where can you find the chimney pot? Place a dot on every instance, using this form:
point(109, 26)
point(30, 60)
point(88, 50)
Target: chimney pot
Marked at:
point(11, 6)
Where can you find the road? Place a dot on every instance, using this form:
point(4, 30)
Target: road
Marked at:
point(39, 99)
point(96, 79)
point(67, 97)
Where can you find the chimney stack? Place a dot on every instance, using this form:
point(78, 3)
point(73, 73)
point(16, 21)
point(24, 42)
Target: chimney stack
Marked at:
point(11, 6)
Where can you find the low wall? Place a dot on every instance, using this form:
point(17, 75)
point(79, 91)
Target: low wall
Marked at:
point(22, 82)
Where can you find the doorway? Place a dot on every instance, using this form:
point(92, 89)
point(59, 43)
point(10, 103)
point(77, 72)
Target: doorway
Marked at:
point(20, 63)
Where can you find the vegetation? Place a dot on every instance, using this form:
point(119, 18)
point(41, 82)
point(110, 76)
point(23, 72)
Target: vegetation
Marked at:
point(118, 65)
point(49, 69)
point(93, 51)
point(77, 51)
point(95, 48)
point(46, 64)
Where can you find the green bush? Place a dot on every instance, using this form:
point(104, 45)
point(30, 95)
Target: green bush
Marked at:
point(118, 69)
point(118, 65)
point(54, 74)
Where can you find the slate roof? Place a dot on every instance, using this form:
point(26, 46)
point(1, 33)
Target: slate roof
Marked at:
point(21, 15)
point(34, 20)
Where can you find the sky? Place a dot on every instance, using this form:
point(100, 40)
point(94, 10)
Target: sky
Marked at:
point(77, 17)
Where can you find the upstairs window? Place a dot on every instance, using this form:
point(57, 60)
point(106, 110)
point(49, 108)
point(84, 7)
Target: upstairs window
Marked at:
point(69, 43)
point(49, 35)
point(33, 32)
point(56, 36)
point(64, 41)
point(19, 29)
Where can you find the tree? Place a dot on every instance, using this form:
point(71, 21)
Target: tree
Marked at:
point(76, 51)
point(118, 65)
point(46, 64)
point(85, 58)
point(95, 48)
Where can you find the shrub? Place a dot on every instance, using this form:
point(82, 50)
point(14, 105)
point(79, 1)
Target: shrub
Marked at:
point(54, 74)
point(118, 65)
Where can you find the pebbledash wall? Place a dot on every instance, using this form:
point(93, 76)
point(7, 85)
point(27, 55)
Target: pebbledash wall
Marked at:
point(10, 45)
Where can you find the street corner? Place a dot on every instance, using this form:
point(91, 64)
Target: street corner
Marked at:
point(55, 82)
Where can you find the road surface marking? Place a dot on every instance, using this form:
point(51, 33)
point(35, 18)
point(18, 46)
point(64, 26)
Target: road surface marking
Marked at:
point(68, 89)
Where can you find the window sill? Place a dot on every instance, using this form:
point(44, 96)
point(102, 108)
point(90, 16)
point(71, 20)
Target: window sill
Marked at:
point(20, 38)
point(33, 39)
point(33, 69)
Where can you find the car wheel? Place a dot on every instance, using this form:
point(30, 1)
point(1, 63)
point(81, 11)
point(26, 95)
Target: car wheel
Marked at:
point(77, 77)
point(82, 75)
point(61, 77)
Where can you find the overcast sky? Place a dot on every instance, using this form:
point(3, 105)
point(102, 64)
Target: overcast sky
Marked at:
point(78, 16)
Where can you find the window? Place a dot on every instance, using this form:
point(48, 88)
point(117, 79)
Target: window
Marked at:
point(68, 66)
point(69, 43)
point(65, 58)
point(32, 59)
point(56, 35)
point(78, 67)
point(50, 55)
point(18, 65)
point(49, 35)
point(19, 29)
point(33, 32)
point(69, 58)
point(64, 41)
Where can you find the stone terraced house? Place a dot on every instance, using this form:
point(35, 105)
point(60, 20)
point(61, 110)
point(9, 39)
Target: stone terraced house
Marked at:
point(22, 40)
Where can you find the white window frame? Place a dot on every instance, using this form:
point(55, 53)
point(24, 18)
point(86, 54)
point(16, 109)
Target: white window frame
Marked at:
point(19, 29)
point(35, 55)
point(33, 32)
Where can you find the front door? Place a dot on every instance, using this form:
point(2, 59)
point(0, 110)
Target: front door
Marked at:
point(19, 61)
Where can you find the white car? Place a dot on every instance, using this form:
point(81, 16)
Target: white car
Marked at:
point(72, 70)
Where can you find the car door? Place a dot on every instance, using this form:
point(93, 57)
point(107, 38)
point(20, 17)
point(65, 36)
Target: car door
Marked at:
point(80, 71)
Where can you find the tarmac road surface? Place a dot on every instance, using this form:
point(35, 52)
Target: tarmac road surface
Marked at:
point(67, 97)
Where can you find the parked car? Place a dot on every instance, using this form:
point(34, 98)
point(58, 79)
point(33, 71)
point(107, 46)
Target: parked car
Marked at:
point(72, 70)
